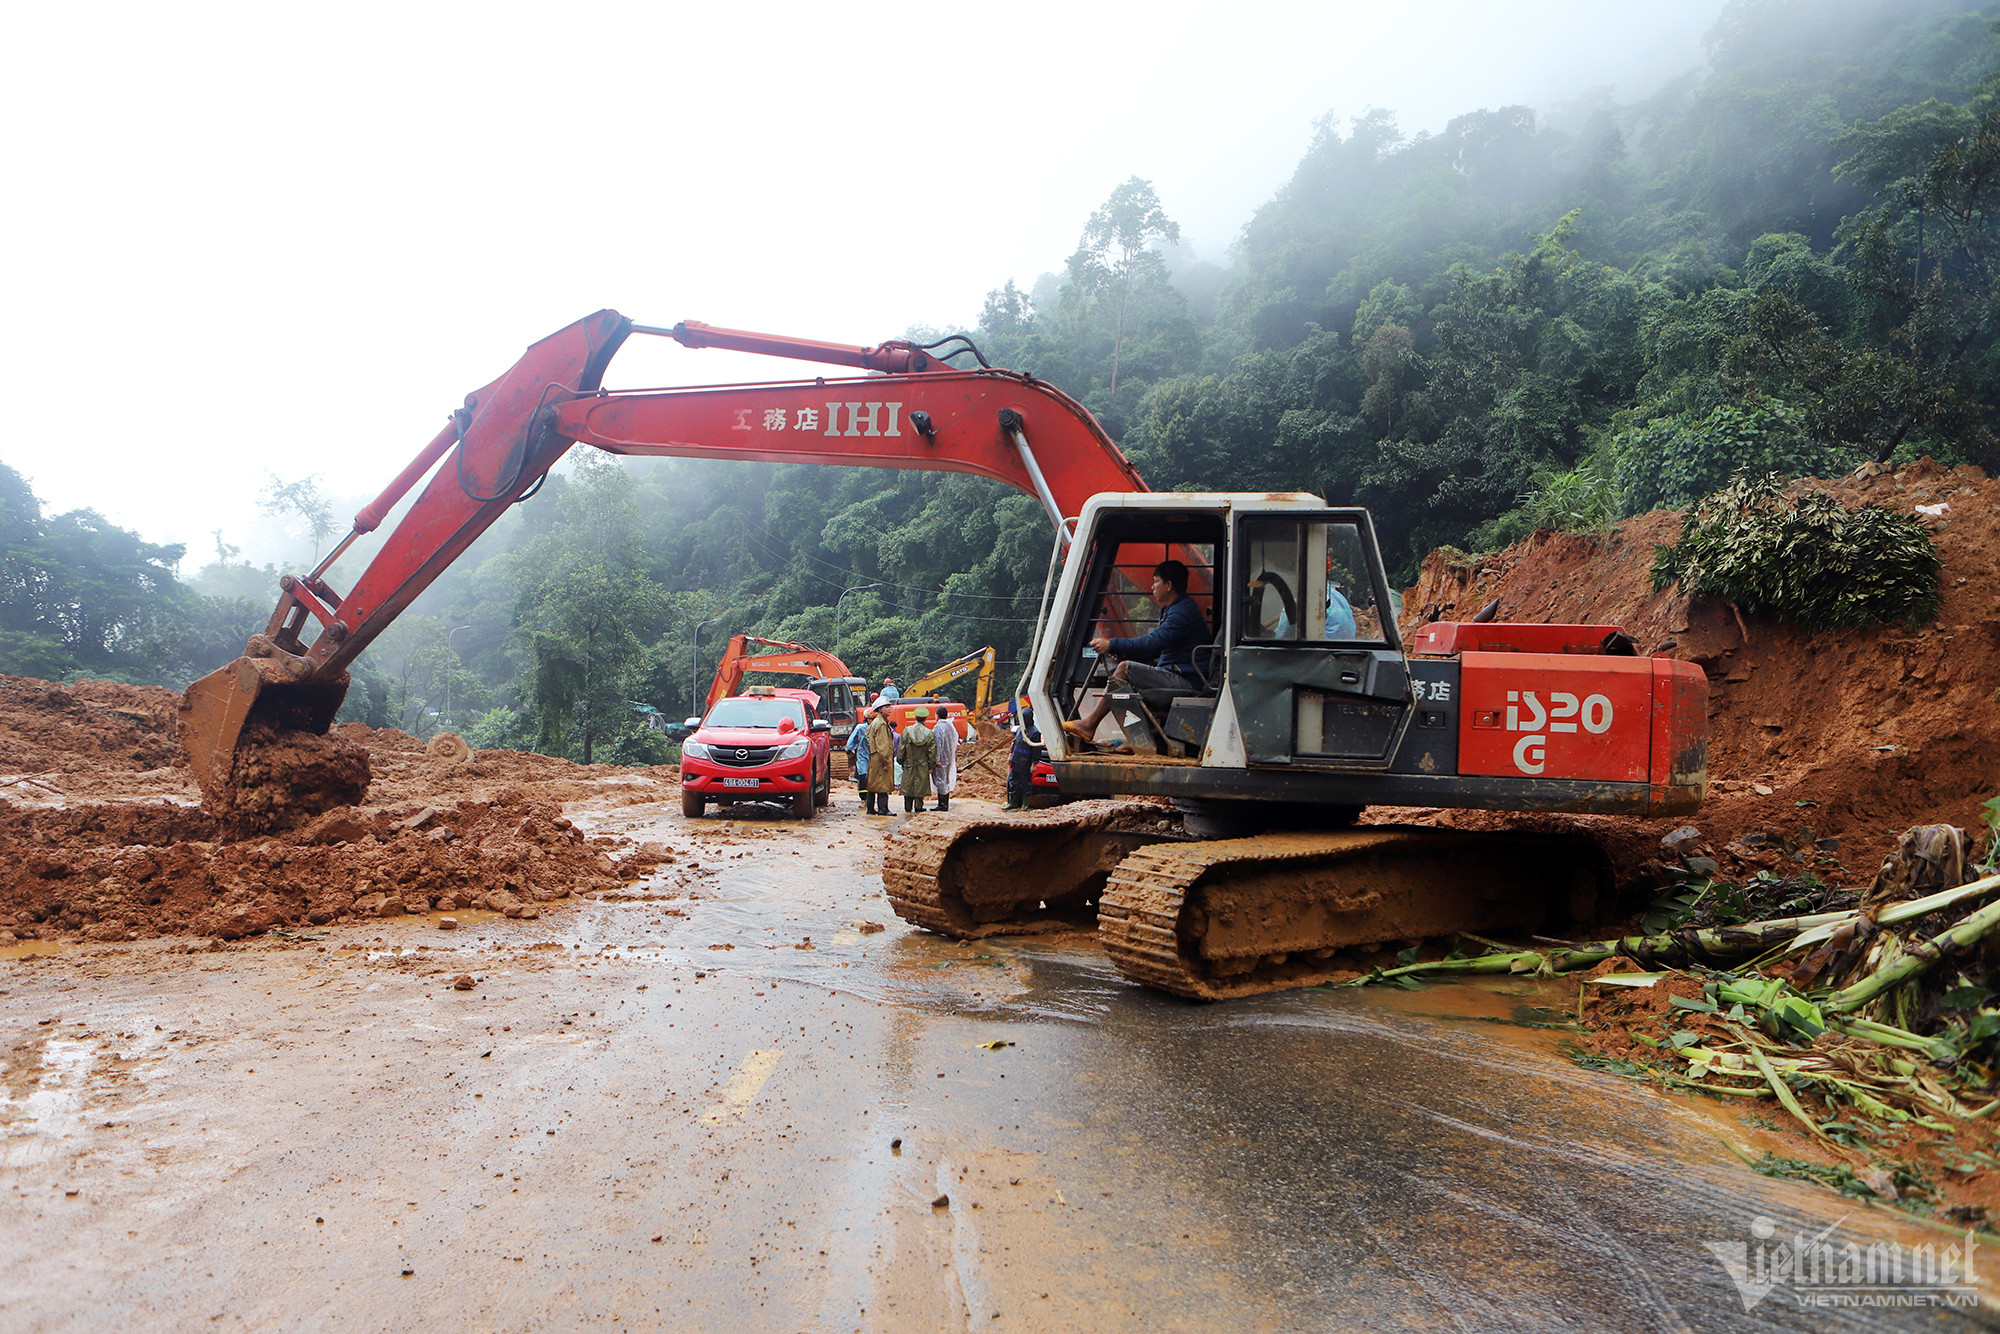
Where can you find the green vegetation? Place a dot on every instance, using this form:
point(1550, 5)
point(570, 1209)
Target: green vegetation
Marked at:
point(1813, 562)
point(81, 596)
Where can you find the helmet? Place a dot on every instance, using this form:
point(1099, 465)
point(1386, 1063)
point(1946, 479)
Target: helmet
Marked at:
point(888, 680)
point(920, 712)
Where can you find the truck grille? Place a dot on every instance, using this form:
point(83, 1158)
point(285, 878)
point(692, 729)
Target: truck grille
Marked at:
point(743, 756)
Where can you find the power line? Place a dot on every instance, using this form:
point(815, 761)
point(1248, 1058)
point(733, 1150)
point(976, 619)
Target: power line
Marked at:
point(913, 588)
point(901, 606)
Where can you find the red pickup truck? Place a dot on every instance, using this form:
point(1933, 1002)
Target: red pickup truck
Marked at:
point(767, 744)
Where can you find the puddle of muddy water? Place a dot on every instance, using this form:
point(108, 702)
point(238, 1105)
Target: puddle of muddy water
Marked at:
point(23, 948)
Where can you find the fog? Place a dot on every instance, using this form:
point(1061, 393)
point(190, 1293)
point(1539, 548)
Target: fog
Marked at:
point(258, 237)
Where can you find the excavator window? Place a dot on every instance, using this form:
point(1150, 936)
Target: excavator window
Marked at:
point(1124, 607)
point(1308, 583)
point(1118, 605)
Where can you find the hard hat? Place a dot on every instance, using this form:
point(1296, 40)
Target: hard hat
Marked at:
point(920, 712)
point(888, 680)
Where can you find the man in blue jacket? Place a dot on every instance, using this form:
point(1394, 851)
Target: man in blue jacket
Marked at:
point(1027, 750)
point(1169, 648)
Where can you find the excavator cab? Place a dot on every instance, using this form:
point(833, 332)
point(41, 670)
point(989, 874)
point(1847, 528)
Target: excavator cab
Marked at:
point(1311, 706)
point(1110, 599)
point(839, 702)
point(1305, 666)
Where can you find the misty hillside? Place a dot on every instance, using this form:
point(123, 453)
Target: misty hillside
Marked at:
point(1539, 316)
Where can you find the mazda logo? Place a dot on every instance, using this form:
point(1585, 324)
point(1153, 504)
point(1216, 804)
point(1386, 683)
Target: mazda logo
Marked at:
point(742, 754)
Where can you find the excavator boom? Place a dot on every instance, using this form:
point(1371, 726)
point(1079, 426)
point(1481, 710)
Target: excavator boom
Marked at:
point(783, 658)
point(916, 412)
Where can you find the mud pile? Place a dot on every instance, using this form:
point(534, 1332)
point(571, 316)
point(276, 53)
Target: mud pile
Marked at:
point(405, 771)
point(282, 779)
point(982, 765)
point(102, 837)
point(119, 871)
point(50, 732)
point(1821, 748)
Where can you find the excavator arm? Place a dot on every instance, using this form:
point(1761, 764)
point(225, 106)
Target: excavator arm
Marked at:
point(981, 660)
point(785, 658)
point(913, 411)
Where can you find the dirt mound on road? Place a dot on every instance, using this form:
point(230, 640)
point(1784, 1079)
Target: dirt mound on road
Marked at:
point(48, 729)
point(1821, 748)
point(124, 870)
point(100, 838)
point(404, 772)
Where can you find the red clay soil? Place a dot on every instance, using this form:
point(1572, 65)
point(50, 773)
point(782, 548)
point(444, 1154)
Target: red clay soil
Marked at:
point(282, 779)
point(100, 839)
point(83, 725)
point(1851, 736)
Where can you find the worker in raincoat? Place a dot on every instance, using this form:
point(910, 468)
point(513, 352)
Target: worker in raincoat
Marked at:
point(881, 743)
point(944, 777)
point(916, 747)
point(857, 748)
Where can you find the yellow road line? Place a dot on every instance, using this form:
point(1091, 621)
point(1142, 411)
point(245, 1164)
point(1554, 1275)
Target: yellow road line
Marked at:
point(744, 1085)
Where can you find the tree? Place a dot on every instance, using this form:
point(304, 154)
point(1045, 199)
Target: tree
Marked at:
point(1119, 254)
point(80, 595)
point(1927, 255)
point(304, 500)
point(585, 610)
point(1008, 310)
point(426, 685)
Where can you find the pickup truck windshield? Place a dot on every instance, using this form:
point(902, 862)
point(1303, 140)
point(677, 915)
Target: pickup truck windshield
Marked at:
point(755, 713)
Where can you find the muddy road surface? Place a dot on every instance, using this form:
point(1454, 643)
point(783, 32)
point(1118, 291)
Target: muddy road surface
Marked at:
point(739, 1094)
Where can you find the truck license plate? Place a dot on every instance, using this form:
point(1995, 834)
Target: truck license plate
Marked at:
point(739, 782)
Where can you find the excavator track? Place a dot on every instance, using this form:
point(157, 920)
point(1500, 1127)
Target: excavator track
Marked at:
point(1236, 917)
point(973, 876)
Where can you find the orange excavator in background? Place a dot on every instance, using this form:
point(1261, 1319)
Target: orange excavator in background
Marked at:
point(839, 690)
point(1307, 704)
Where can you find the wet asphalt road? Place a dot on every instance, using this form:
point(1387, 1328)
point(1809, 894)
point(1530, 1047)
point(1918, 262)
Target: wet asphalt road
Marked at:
point(325, 1135)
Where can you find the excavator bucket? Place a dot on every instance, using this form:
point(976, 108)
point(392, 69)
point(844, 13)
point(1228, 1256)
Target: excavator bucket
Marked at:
point(249, 706)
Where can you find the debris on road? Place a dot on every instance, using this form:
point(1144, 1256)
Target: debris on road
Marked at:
point(122, 852)
point(1873, 1026)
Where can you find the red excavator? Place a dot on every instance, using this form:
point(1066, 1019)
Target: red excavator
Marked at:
point(1309, 703)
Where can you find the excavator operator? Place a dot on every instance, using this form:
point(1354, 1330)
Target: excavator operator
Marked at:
point(1170, 645)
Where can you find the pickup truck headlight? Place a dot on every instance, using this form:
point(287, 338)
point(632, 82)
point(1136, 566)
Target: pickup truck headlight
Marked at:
point(795, 750)
point(694, 750)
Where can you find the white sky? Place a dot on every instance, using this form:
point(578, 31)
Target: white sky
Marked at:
point(248, 236)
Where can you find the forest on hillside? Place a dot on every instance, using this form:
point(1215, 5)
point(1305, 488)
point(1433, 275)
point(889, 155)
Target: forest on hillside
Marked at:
point(1782, 261)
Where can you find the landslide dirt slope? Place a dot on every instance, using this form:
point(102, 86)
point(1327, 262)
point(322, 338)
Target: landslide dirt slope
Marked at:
point(1856, 734)
point(102, 837)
